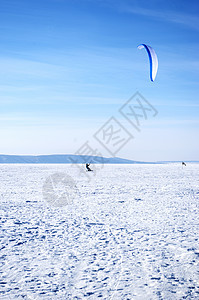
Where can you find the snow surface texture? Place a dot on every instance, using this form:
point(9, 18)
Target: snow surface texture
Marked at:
point(129, 233)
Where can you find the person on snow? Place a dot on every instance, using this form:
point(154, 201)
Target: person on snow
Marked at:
point(88, 168)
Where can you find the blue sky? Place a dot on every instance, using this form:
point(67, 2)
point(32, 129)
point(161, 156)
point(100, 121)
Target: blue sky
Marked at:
point(68, 66)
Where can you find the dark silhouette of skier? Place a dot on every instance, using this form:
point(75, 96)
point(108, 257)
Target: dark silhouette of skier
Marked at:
point(183, 164)
point(88, 168)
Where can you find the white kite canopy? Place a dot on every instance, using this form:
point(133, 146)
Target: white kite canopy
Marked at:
point(153, 60)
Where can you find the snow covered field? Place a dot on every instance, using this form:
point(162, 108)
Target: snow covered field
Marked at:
point(129, 233)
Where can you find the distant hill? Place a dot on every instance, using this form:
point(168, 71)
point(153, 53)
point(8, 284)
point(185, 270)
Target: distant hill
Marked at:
point(76, 159)
point(62, 159)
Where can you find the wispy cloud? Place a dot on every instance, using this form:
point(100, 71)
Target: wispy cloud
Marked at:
point(182, 18)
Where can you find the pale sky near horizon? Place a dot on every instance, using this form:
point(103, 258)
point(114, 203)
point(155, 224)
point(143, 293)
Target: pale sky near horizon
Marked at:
point(67, 67)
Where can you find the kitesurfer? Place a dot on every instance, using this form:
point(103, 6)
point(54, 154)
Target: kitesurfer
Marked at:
point(88, 168)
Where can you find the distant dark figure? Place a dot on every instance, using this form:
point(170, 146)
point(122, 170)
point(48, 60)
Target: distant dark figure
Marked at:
point(183, 164)
point(88, 168)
